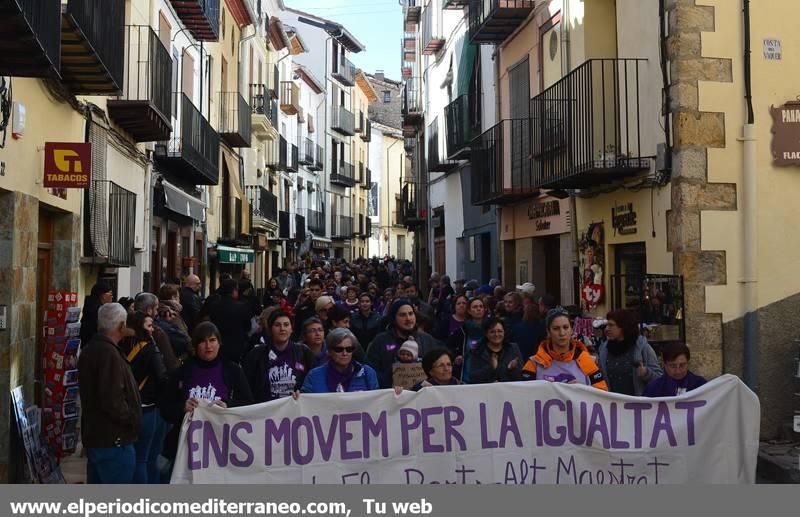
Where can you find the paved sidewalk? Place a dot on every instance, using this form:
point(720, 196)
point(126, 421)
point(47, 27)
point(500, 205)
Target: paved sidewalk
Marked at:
point(778, 462)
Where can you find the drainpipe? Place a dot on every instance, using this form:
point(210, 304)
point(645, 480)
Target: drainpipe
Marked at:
point(749, 226)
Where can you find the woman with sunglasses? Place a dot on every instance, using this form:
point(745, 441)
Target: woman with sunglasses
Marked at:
point(341, 374)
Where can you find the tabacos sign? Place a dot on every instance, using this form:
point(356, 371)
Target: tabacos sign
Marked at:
point(67, 165)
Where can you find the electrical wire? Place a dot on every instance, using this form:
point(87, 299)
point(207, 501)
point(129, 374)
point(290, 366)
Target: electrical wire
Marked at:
point(6, 101)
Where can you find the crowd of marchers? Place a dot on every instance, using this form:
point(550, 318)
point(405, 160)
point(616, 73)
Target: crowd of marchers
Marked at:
point(328, 327)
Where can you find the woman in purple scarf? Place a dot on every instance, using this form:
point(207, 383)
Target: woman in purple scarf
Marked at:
point(678, 379)
point(341, 374)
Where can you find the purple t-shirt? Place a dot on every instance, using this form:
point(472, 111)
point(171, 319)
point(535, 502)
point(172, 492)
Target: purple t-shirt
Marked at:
point(206, 382)
point(282, 373)
point(454, 325)
point(666, 386)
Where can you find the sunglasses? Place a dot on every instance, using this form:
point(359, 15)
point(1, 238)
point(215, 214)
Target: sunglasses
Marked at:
point(344, 349)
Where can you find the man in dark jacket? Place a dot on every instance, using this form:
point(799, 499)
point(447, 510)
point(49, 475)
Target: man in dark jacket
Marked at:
point(365, 323)
point(112, 413)
point(232, 318)
point(382, 352)
point(306, 303)
point(190, 301)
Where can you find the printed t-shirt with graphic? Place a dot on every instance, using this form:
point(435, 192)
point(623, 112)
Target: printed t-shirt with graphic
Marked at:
point(282, 372)
point(206, 382)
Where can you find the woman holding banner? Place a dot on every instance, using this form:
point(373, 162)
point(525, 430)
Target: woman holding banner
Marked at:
point(278, 366)
point(560, 358)
point(495, 359)
point(341, 374)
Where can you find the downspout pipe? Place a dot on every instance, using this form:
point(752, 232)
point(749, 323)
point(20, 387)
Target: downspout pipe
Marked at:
point(750, 221)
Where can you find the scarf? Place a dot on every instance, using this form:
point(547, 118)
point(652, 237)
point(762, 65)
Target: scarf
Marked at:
point(339, 381)
point(620, 347)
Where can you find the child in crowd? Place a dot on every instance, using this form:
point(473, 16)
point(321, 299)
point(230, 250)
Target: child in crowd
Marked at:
point(409, 352)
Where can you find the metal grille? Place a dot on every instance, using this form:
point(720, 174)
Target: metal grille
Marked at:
point(98, 196)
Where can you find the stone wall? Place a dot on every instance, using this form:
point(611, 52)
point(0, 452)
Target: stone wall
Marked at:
point(386, 113)
point(695, 132)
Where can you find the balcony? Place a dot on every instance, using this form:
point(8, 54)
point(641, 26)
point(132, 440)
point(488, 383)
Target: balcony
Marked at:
point(586, 128)
point(293, 155)
point(366, 131)
point(362, 173)
point(234, 124)
point(110, 229)
point(307, 155)
point(343, 121)
point(194, 148)
point(410, 44)
point(92, 46)
point(437, 150)
point(342, 173)
point(411, 10)
point(290, 97)
point(263, 207)
point(284, 225)
point(432, 32)
point(201, 17)
point(319, 159)
point(273, 80)
point(316, 222)
point(344, 71)
point(501, 164)
point(30, 38)
point(283, 151)
point(410, 215)
point(367, 183)
point(264, 118)
point(463, 124)
point(492, 21)
point(342, 227)
point(144, 109)
point(412, 107)
point(299, 228)
point(275, 154)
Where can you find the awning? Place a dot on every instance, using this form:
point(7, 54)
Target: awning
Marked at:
point(466, 64)
point(228, 255)
point(322, 244)
point(182, 203)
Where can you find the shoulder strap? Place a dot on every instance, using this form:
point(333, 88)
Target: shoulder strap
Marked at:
point(138, 347)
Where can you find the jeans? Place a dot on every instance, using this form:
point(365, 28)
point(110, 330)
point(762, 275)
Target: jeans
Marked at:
point(110, 465)
point(149, 445)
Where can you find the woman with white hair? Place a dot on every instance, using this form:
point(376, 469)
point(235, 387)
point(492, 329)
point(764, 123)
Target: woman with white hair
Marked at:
point(341, 374)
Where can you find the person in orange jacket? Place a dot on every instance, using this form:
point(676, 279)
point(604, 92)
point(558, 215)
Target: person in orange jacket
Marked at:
point(560, 358)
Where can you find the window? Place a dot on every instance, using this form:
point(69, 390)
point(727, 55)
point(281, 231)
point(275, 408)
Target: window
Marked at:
point(387, 96)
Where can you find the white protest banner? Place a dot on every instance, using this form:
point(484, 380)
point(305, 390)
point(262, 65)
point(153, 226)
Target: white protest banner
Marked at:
point(516, 433)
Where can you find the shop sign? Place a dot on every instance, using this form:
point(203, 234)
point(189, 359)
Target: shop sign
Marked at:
point(67, 165)
point(235, 255)
point(542, 211)
point(786, 134)
point(773, 50)
point(623, 219)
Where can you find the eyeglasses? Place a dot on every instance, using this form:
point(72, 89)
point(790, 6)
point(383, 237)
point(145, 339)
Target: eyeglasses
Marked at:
point(344, 349)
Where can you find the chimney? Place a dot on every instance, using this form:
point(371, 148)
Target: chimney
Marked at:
point(379, 75)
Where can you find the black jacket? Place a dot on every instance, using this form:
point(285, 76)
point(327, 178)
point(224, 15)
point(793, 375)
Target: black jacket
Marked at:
point(232, 318)
point(146, 364)
point(256, 365)
point(191, 303)
point(481, 370)
point(172, 399)
point(365, 329)
point(89, 319)
point(383, 350)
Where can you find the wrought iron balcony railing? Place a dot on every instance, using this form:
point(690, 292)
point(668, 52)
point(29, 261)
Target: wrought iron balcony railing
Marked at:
point(344, 71)
point(463, 124)
point(501, 163)
point(343, 121)
point(201, 17)
point(234, 119)
point(492, 21)
point(110, 228)
point(437, 150)
point(316, 222)
point(342, 173)
point(264, 108)
point(263, 205)
point(193, 149)
point(307, 154)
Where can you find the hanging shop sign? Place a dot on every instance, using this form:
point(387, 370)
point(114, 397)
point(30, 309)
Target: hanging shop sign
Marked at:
point(623, 219)
point(228, 255)
point(541, 213)
point(786, 134)
point(67, 165)
point(592, 247)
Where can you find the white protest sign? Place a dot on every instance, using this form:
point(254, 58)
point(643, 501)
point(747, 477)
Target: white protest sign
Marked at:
point(515, 433)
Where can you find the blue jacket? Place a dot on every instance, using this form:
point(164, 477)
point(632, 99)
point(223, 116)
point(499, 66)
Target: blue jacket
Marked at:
point(364, 379)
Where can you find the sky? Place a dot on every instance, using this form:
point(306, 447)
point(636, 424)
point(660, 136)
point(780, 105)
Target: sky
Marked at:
point(377, 24)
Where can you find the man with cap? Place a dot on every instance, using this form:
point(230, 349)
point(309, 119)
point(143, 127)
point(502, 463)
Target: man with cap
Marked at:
point(402, 326)
point(526, 290)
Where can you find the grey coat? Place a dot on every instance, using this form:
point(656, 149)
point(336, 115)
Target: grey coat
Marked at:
point(642, 353)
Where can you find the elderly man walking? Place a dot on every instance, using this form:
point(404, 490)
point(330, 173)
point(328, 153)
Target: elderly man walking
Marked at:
point(191, 301)
point(112, 412)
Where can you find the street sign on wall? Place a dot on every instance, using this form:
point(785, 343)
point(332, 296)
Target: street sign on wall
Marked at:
point(786, 134)
point(67, 165)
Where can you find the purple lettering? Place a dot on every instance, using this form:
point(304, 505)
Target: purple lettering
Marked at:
point(486, 443)
point(598, 424)
point(690, 406)
point(509, 425)
point(537, 411)
point(278, 433)
point(210, 442)
point(453, 417)
point(409, 420)
point(377, 428)
point(663, 423)
point(549, 439)
point(638, 408)
point(428, 430)
point(616, 443)
point(325, 442)
point(345, 436)
point(574, 437)
point(242, 445)
point(298, 457)
point(194, 425)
